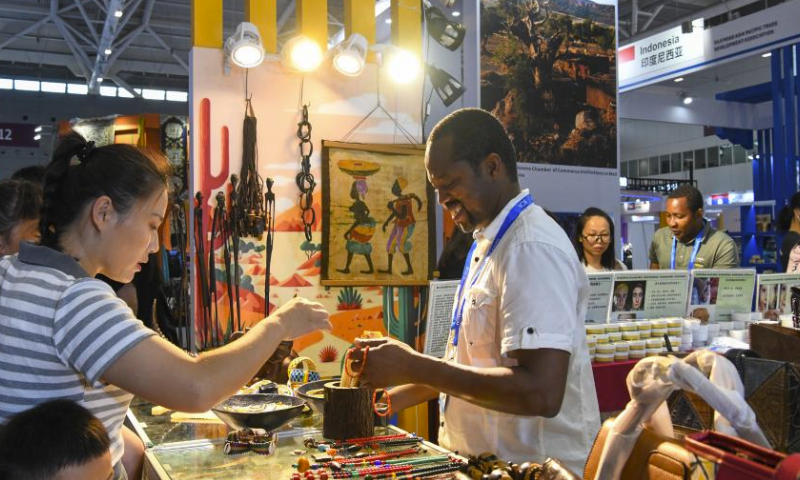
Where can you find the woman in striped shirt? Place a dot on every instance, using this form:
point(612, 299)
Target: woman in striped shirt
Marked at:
point(64, 334)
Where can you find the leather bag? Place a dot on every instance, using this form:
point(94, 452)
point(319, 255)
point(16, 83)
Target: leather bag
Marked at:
point(770, 388)
point(654, 457)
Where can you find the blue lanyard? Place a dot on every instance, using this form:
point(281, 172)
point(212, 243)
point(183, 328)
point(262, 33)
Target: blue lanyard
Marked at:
point(697, 241)
point(524, 203)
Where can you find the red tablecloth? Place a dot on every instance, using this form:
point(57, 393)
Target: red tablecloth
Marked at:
point(609, 381)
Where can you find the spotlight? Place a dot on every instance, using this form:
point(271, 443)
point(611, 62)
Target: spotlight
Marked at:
point(118, 13)
point(403, 66)
point(244, 47)
point(38, 129)
point(445, 85)
point(766, 55)
point(456, 13)
point(350, 56)
point(107, 51)
point(37, 137)
point(100, 79)
point(678, 80)
point(685, 98)
point(447, 33)
point(301, 54)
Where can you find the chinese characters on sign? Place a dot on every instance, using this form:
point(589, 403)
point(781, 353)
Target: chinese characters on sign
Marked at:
point(671, 54)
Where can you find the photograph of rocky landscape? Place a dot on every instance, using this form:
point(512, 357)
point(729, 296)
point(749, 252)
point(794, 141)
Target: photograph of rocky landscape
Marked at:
point(548, 73)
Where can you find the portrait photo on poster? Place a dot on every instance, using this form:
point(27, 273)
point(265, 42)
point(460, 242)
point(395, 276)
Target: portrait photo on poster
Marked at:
point(644, 294)
point(629, 299)
point(377, 215)
point(773, 293)
point(717, 293)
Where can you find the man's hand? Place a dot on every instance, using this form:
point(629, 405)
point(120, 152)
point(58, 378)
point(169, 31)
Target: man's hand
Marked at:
point(387, 362)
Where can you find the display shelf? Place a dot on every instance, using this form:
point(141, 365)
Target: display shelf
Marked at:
point(184, 450)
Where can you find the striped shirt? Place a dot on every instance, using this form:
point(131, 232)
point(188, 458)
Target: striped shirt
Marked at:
point(59, 332)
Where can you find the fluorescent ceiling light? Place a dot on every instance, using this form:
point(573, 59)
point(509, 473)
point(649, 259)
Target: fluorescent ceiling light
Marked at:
point(6, 84)
point(26, 85)
point(150, 94)
point(54, 87)
point(108, 91)
point(174, 96)
point(77, 89)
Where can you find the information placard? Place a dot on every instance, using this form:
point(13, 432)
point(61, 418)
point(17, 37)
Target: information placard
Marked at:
point(441, 295)
point(718, 293)
point(773, 292)
point(600, 287)
point(641, 294)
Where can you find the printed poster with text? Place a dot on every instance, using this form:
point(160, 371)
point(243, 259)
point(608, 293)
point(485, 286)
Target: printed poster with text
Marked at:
point(600, 287)
point(715, 294)
point(643, 294)
point(774, 292)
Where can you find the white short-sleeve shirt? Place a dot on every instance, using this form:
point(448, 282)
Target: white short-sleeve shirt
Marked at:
point(531, 293)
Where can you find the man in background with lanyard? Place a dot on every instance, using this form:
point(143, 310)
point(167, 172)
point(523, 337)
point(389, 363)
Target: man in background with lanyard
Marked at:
point(516, 379)
point(688, 241)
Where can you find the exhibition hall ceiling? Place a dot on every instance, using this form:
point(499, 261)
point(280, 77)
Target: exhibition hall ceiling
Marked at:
point(708, 83)
point(640, 18)
point(71, 40)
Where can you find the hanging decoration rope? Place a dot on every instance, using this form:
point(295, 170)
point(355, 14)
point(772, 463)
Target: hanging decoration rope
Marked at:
point(269, 201)
point(305, 180)
point(249, 207)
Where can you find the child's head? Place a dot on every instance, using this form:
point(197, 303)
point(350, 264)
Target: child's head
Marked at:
point(20, 202)
point(103, 205)
point(58, 440)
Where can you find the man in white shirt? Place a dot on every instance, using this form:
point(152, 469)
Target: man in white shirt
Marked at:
point(516, 378)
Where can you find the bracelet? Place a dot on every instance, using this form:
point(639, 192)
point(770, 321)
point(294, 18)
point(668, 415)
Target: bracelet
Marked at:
point(388, 410)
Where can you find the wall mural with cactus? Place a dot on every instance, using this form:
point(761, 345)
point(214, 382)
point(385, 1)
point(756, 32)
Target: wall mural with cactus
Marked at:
point(218, 106)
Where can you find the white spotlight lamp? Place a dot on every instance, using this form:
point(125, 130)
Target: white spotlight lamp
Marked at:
point(402, 65)
point(350, 56)
point(301, 54)
point(244, 47)
point(685, 98)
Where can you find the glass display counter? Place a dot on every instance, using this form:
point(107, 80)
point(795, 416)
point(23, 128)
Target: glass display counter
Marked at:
point(193, 451)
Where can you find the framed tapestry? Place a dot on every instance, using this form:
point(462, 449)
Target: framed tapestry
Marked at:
point(378, 222)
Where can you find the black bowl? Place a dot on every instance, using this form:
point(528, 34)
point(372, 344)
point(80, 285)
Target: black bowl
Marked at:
point(316, 404)
point(234, 411)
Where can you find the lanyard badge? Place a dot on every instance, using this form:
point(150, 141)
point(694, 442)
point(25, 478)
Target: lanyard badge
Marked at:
point(697, 242)
point(458, 313)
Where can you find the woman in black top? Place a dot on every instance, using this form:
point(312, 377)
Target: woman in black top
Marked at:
point(789, 225)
